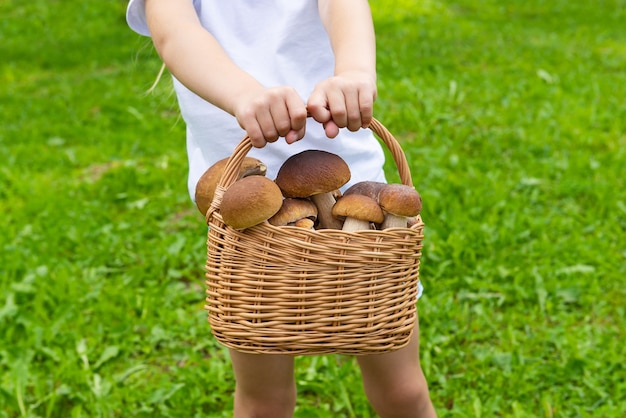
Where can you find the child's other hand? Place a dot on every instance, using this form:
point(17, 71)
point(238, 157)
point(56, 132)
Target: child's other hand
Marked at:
point(267, 114)
point(343, 101)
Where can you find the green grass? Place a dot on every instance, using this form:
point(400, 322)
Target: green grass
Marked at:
point(512, 115)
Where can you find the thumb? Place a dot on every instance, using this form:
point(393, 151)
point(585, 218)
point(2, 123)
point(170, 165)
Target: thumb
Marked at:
point(331, 129)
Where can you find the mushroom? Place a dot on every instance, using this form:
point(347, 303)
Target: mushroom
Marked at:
point(366, 188)
point(305, 223)
point(294, 210)
point(359, 211)
point(412, 221)
point(399, 202)
point(250, 201)
point(205, 188)
point(315, 174)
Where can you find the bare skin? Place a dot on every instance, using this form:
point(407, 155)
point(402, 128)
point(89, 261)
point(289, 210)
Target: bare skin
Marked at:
point(394, 384)
point(265, 385)
point(343, 101)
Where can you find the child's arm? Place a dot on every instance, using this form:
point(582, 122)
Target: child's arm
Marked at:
point(347, 99)
point(196, 59)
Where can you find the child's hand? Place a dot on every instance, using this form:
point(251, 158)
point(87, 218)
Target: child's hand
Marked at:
point(343, 101)
point(267, 114)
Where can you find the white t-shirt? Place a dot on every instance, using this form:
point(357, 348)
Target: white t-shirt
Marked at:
point(279, 42)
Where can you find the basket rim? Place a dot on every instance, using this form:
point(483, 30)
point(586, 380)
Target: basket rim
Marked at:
point(326, 232)
point(233, 165)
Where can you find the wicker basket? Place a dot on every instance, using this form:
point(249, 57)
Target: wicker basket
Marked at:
point(287, 290)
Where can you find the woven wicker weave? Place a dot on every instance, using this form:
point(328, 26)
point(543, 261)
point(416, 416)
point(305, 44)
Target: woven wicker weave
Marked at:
point(287, 290)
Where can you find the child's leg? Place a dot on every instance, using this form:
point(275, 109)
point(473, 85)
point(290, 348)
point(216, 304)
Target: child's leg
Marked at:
point(265, 385)
point(395, 384)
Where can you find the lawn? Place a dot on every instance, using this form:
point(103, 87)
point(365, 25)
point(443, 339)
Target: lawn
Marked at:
point(513, 118)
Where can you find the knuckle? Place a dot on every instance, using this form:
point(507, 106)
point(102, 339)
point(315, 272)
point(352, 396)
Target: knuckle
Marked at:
point(299, 114)
point(339, 112)
point(257, 141)
point(270, 135)
point(340, 117)
point(283, 126)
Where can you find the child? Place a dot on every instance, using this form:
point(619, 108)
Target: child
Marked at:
point(257, 67)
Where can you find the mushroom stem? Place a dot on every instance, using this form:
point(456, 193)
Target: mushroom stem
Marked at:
point(399, 202)
point(358, 211)
point(325, 203)
point(394, 221)
point(354, 224)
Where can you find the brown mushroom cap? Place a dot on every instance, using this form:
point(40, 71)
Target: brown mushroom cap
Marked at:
point(312, 172)
point(305, 223)
point(292, 210)
point(205, 188)
point(316, 174)
point(400, 199)
point(358, 207)
point(250, 201)
point(366, 188)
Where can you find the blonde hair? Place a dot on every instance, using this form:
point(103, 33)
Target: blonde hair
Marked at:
point(157, 79)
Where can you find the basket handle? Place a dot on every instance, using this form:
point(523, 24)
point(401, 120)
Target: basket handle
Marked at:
point(231, 171)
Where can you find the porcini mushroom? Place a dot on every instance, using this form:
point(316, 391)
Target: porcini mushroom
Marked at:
point(294, 210)
point(412, 221)
point(305, 223)
point(359, 212)
point(399, 202)
point(315, 174)
point(205, 188)
point(250, 201)
point(366, 188)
